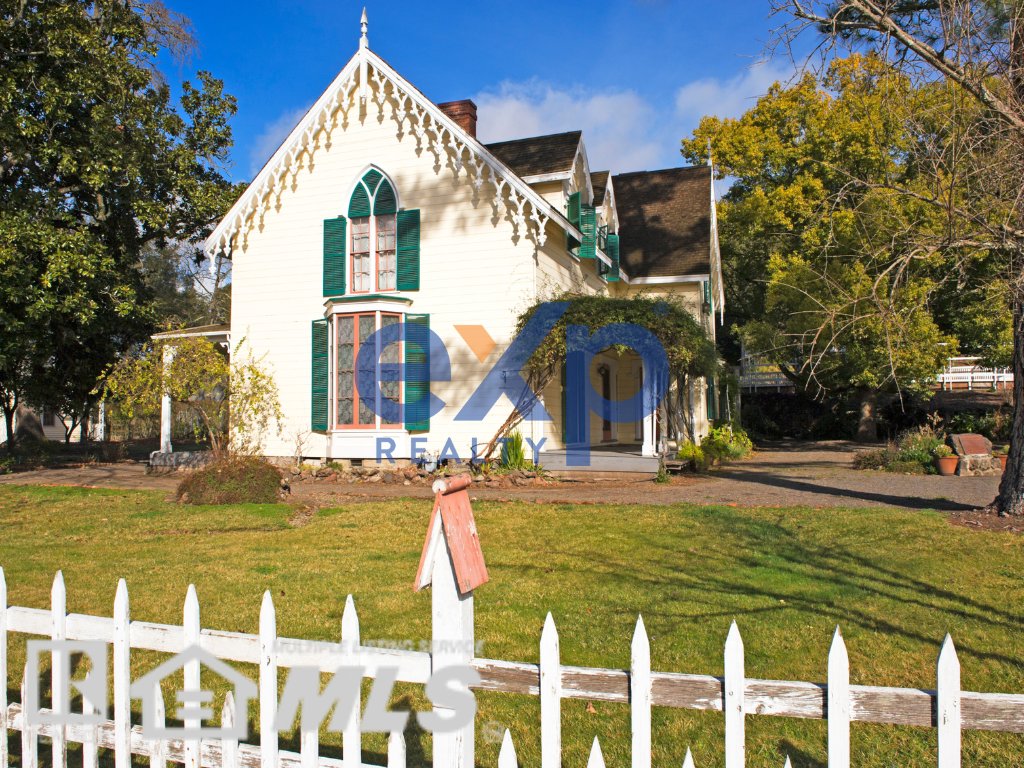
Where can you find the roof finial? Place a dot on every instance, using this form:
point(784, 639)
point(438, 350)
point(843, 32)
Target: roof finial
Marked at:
point(364, 24)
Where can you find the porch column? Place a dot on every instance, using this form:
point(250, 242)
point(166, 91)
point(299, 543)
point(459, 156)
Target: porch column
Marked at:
point(165, 407)
point(101, 421)
point(648, 448)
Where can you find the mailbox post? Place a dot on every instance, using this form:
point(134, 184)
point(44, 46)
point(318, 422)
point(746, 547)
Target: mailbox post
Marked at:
point(452, 563)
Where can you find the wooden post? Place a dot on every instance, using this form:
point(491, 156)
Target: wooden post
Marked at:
point(351, 737)
point(192, 673)
point(640, 696)
point(550, 697)
point(166, 416)
point(122, 679)
point(733, 701)
point(268, 682)
point(947, 694)
point(452, 638)
point(838, 703)
point(59, 672)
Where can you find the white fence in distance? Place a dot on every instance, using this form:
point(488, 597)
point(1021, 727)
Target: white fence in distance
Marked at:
point(948, 708)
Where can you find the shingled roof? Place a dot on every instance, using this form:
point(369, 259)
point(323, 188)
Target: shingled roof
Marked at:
point(538, 155)
point(599, 181)
point(665, 221)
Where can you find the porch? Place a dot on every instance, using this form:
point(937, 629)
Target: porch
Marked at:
point(603, 458)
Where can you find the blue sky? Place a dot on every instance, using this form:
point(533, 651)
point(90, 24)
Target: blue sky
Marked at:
point(634, 75)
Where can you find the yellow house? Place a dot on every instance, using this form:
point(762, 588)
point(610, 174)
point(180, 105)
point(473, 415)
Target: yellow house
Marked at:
point(381, 216)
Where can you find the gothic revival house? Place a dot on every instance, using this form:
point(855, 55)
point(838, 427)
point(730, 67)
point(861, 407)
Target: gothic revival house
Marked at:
point(382, 211)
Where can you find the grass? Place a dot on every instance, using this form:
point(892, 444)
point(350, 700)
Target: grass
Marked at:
point(895, 581)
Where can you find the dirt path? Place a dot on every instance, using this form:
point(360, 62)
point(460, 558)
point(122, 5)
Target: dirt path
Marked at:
point(778, 474)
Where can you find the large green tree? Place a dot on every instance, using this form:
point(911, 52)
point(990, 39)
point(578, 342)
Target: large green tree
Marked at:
point(97, 164)
point(976, 46)
point(835, 275)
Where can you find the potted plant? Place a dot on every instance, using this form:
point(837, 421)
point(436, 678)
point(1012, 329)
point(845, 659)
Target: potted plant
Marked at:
point(945, 461)
point(1001, 452)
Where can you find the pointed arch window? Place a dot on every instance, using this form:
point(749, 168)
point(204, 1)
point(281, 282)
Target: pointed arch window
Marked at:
point(372, 214)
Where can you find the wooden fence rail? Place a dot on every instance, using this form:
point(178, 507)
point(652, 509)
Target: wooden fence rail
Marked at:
point(947, 708)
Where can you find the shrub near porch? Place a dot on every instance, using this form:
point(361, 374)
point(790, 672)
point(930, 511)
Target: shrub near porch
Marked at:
point(895, 582)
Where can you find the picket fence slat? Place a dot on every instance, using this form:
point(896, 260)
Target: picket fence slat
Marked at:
point(640, 696)
point(396, 750)
point(90, 747)
point(191, 622)
point(838, 703)
point(412, 666)
point(229, 746)
point(688, 760)
point(122, 677)
point(735, 730)
point(29, 742)
point(268, 681)
point(158, 749)
point(596, 759)
point(948, 705)
point(351, 738)
point(550, 696)
point(58, 666)
point(3, 670)
point(507, 754)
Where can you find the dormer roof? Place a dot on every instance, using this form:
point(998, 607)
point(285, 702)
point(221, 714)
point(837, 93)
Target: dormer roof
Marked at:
point(539, 155)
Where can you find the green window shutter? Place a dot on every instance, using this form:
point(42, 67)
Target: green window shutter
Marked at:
point(417, 373)
point(318, 389)
point(359, 205)
point(335, 240)
point(588, 227)
point(712, 402)
point(572, 208)
point(408, 250)
point(612, 249)
point(372, 178)
point(384, 202)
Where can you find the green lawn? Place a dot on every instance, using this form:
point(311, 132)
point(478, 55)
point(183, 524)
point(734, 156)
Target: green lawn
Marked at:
point(895, 581)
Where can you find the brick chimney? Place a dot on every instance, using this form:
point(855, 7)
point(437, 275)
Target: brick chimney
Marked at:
point(462, 112)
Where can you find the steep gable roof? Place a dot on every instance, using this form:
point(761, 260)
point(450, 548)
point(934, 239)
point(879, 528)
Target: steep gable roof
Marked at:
point(365, 81)
point(665, 219)
point(539, 155)
point(599, 180)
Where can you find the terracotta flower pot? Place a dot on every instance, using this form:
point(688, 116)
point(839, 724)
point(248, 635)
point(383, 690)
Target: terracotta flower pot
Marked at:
point(947, 465)
point(1002, 461)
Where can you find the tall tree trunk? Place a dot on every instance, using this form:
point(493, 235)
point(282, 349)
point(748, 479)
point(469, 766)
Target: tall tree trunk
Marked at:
point(1010, 500)
point(867, 424)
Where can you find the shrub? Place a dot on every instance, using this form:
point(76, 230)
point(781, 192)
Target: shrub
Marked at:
point(725, 443)
point(693, 455)
point(512, 454)
point(880, 458)
point(234, 480)
point(918, 445)
point(910, 467)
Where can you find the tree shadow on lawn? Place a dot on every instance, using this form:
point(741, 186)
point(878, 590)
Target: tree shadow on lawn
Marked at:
point(756, 546)
point(889, 500)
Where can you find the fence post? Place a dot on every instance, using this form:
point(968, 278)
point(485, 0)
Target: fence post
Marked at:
point(122, 679)
point(268, 682)
point(550, 697)
point(351, 738)
point(59, 668)
point(732, 700)
point(452, 640)
point(229, 747)
point(838, 710)
point(507, 755)
point(192, 673)
point(29, 742)
point(947, 696)
point(3, 670)
point(640, 696)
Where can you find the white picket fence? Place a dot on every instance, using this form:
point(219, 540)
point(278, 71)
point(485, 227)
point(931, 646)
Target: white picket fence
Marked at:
point(947, 708)
point(968, 373)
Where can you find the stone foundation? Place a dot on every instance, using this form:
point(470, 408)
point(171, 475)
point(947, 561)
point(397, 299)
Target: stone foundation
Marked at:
point(975, 465)
point(172, 462)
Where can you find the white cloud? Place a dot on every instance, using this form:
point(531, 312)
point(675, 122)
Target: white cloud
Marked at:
point(620, 128)
point(727, 98)
point(273, 135)
point(623, 131)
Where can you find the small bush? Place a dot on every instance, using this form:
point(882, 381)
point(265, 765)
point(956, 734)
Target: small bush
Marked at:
point(725, 443)
point(908, 467)
point(876, 459)
point(693, 455)
point(512, 454)
point(235, 480)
